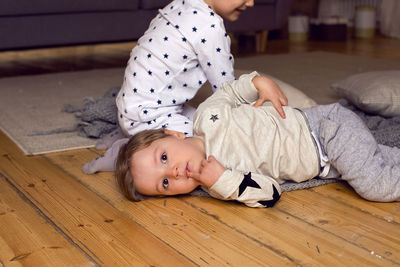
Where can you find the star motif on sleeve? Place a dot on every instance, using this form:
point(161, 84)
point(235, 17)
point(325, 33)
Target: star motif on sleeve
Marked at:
point(218, 49)
point(247, 182)
point(275, 198)
point(194, 29)
point(214, 117)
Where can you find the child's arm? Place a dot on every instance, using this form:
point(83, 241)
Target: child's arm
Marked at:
point(252, 189)
point(248, 89)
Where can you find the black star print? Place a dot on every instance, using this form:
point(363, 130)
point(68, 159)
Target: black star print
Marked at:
point(211, 13)
point(166, 72)
point(185, 69)
point(209, 64)
point(176, 26)
point(167, 25)
point(169, 115)
point(185, 85)
point(149, 122)
point(165, 55)
point(200, 82)
point(132, 123)
point(184, 39)
point(123, 94)
point(223, 73)
point(212, 25)
point(151, 90)
point(135, 58)
point(165, 38)
point(148, 55)
point(135, 90)
point(151, 39)
point(179, 13)
point(173, 101)
point(134, 74)
point(203, 40)
point(159, 102)
point(275, 198)
point(149, 72)
point(218, 49)
point(169, 86)
point(194, 29)
point(185, 56)
point(247, 182)
point(214, 117)
point(194, 11)
point(230, 57)
point(145, 111)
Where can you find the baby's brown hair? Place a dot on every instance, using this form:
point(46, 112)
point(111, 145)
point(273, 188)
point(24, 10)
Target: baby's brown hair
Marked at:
point(137, 142)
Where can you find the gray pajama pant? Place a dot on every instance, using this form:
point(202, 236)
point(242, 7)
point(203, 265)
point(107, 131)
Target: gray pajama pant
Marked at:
point(373, 170)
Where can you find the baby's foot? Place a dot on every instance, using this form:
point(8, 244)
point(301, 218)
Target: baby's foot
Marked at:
point(105, 162)
point(108, 140)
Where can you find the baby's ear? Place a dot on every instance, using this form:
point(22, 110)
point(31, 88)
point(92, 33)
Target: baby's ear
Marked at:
point(177, 134)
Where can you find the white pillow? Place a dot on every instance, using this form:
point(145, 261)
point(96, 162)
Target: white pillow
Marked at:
point(376, 92)
point(296, 98)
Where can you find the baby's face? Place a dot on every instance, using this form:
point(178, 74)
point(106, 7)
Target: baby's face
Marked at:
point(162, 168)
point(229, 9)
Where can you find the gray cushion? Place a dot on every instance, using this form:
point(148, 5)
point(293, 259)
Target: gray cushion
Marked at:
point(376, 92)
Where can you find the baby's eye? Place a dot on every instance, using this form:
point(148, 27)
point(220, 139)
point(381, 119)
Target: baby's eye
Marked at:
point(165, 183)
point(164, 157)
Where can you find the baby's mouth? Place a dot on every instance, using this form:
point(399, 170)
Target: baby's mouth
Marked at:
point(187, 170)
point(240, 11)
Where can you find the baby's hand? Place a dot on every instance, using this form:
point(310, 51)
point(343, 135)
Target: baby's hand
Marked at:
point(268, 90)
point(210, 171)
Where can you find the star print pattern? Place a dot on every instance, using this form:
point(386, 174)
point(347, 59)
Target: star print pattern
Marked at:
point(182, 66)
point(247, 182)
point(213, 117)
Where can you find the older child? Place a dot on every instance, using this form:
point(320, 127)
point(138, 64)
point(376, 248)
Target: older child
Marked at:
point(184, 46)
point(243, 153)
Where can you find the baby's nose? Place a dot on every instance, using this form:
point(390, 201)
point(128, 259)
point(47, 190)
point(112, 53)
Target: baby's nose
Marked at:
point(174, 172)
point(250, 3)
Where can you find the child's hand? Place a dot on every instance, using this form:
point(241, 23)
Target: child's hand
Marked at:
point(210, 171)
point(268, 90)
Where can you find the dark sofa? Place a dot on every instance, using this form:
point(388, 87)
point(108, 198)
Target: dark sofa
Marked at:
point(45, 23)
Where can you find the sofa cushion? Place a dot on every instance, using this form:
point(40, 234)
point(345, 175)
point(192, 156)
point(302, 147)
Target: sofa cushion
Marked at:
point(24, 7)
point(152, 4)
point(263, 2)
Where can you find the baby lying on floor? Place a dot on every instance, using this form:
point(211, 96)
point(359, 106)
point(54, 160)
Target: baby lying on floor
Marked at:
point(239, 152)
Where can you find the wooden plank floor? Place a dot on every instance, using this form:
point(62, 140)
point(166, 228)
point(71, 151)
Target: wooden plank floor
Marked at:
point(51, 214)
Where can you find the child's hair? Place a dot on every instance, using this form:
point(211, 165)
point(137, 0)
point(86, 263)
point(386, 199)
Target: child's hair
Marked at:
point(137, 142)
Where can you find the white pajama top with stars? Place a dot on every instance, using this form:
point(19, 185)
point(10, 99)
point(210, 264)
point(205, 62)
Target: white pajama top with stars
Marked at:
point(185, 45)
point(259, 149)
